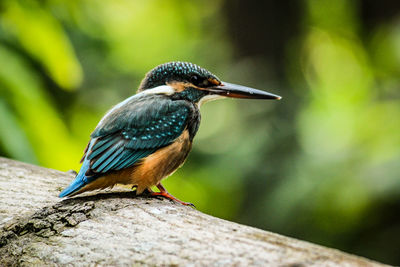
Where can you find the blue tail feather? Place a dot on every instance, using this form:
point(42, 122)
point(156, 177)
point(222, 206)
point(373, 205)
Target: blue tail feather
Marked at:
point(80, 181)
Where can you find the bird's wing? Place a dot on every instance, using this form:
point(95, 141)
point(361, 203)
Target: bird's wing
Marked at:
point(135, 130)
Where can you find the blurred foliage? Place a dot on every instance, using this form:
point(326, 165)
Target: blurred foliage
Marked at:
point(321, 165)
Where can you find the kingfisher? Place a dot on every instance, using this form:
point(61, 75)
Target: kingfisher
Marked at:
point(148, 136)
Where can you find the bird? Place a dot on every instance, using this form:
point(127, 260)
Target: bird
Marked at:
point(148, 136)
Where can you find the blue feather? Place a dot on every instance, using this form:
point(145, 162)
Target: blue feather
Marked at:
point(106, 155)
point(80, 181)
point(100, 147)
point(121, 164)
point(126, 154)
point(107, 164)
point(133, 159)
point(117, 160)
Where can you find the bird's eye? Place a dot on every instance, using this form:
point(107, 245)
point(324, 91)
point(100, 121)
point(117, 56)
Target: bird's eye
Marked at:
point(198, 81)
point(195, 79)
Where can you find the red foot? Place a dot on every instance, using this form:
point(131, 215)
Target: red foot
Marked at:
point(164, 193)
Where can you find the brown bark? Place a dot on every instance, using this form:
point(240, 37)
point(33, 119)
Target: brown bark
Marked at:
point(117, 228)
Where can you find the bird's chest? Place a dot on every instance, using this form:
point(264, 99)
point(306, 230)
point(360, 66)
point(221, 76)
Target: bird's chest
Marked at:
point(162, 163)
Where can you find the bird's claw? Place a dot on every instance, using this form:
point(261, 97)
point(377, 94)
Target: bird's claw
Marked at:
point(190, 205)
point(168, 196)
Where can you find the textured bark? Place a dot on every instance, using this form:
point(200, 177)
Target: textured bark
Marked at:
point(118, 228)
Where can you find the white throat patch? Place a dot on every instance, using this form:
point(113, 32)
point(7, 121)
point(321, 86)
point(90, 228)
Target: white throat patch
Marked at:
point(209, 98)
point(162, 89)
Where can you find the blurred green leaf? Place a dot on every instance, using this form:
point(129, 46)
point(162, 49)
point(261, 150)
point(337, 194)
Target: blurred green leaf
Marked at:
point(12, 137)
point(44, 38)
point(45, 130)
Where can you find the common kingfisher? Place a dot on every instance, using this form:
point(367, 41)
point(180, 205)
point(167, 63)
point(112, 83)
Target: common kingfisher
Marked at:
point(146, 137)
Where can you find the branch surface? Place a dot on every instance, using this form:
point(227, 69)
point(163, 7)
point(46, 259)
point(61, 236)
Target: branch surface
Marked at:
point(117, 228)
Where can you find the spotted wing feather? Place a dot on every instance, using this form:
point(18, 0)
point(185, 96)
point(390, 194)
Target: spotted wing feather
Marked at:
point(138, 131)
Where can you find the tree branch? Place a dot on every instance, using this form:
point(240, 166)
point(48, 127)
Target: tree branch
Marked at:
point(118, 228)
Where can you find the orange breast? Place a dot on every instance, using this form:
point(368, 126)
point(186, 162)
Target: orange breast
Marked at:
point(162, 163)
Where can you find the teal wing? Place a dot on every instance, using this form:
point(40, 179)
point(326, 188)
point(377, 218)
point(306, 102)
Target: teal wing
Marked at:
point(133, 131)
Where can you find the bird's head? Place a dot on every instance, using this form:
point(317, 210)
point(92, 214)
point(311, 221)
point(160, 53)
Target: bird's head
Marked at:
point(184, 80)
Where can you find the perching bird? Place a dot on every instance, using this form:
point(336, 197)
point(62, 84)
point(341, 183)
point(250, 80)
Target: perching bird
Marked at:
point(146, 137)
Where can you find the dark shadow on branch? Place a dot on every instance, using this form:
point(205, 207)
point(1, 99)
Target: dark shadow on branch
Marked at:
point(109, 195)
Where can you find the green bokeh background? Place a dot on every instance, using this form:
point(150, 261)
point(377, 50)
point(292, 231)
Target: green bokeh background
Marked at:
point(322, 165)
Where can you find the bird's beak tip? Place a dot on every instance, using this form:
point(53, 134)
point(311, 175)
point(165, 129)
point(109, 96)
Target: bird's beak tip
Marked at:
point(239, 91)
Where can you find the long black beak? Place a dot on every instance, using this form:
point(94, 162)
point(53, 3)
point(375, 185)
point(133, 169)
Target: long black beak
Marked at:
point(239, 91)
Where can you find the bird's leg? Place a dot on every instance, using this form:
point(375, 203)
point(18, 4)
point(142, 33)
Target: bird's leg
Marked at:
point(164, 193)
